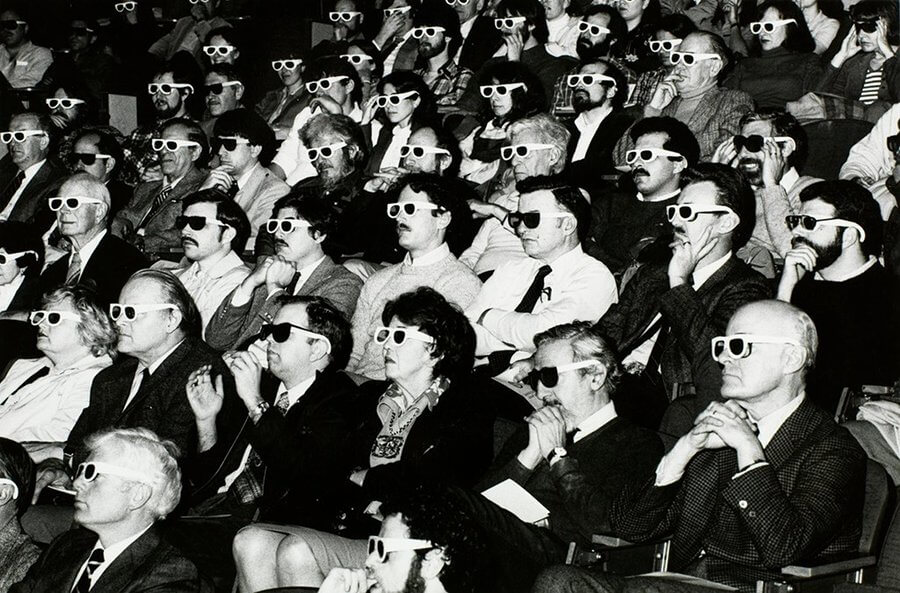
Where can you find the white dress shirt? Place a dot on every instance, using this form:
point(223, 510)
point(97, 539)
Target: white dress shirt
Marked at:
point(209, 287)
point(306, 272)
point(595, 421)
point(587, 124)
point(30, 172)
point(109, 555)
point(392, 153)
point(432, 257)
point(138, 373)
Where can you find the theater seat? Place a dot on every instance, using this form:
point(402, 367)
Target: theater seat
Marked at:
point(830, 141)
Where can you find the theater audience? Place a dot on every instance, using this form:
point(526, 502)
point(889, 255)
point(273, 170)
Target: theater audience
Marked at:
point(22, 62)
point(18, 552)
point(23, 257)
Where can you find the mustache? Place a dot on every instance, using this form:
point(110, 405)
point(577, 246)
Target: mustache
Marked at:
point(798, 241)
point(638, 172)
point(186, 240)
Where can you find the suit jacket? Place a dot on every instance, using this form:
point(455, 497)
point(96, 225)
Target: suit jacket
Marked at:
point(148, 564)
point(107, 270)
point(160, 233)
point(806, 504)
point(231, 326)
point(161, 401)
point(32, 205)
point(598, 159)
point(27, 295)
point(257, 198)
point(481, 44)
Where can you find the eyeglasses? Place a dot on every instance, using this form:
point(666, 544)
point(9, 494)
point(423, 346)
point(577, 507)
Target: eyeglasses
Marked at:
point(893, 143)
point(508, 22)
point(521, 150)
point(326, 152)
point(739, 345)
point(64, 103)
point(419, 32)
point(689, 212)
point(20, 135)
point(286, 225)
point(574, 80)
point(868, 26)
point(455, 2)
point(130, 312)
point(409, 208)
point(664, 45)
point(811, 223)
point(217, 88)
point(755, 142)
point(322, 83)
point(418, 151)
point(280, 332)
point(501, 90)
point(532, 220)
point(125, 6)
point(382, 546)
point(758, 27)
point(5, 258)
point(80, 31)
point(71, 202)
point(399, 335)
point(171, 145)
point(166, 88)
point(11, 25)
point(388, 12)
point(689, 58)
point(394, 99)
point(90, 470)
point(356, 59)
point(549, 376)
point(593, 29)
point(648, 155)
point(229, 143)
point(88, 158)
point(53, 318)
point(278, 65)
point(344, 17)
point(222, 50)
point(196, 223)
point(197, 1)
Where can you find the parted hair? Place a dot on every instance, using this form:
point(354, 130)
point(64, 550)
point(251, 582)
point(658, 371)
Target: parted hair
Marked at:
point(328, 320)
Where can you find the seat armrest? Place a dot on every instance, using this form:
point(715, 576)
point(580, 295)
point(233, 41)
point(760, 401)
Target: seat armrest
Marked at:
point(829, 568)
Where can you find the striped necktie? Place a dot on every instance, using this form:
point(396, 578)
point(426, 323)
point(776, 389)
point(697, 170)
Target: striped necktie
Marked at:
point(158, 201)
point(94, 561)
point(74, 273)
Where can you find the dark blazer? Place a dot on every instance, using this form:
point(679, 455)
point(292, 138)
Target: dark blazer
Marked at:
point(148, 564)
point(232, 326)
point(107, 270)
point(481, 44)
point(32, 205)
point(804, 505)
point(161, 402)
point(847, 81)
point(598, 160)
point(27, 295)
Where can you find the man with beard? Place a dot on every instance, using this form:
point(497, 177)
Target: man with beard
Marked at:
point(832, 273)
point(633, 217)
point(437, 29)
point(21, 62)
point(224, 90)
point(769, 151)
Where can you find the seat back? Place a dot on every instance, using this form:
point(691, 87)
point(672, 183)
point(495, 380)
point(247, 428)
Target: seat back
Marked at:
point(830, 141)
point(878, 501)
point(889, 559)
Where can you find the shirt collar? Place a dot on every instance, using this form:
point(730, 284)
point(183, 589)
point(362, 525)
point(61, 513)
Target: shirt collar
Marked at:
point(156, 363)
point(115, 550)
point(305, 272)
point(661, 198)
point(297, 391)
point(242, 181)
point(466, 27)
point(591, 119)
point(852, 274)
point(173, 183)
point(595, 421)
point(32, 171)
point(90, 247)
point(703, 274)
point(568, 259)
point(769, 424)
point(432, 257)
point(789, 179)
point(231, 261)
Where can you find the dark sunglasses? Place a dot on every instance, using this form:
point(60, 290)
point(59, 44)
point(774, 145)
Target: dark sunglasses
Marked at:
point(549, 376)
point(280, 332)
point(5, 258)
point(753, 142)
point(229, 144)
point(196, 223)
point(532, 220)
point(866, 26)
point(88, 158)
point(219, 87)
point(11, 25)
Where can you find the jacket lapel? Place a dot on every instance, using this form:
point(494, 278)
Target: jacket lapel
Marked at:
point(318, 276)
point(797, 426)
point(121, 573)
point(157, 378)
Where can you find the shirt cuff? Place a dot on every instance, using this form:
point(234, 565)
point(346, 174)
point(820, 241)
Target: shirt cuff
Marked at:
point(749, 469)
point(666, 474)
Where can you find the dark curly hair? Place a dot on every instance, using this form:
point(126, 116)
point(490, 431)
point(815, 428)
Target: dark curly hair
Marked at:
point(784, 124)
point(681, 138)
point(451, 195)
point(534, 14)
point(525, 102)
point(328, 320)
point(335, 66)
point(454, 338)
point(732, 190)
point(851, 202)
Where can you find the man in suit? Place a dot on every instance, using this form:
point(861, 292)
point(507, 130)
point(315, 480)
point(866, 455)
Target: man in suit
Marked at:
point(148, 222)
point(279, 447)
point(481, 39)
point(97, 258)
point(399, 51)
point(97, 152)
point(130, 480)
point(763, 479)
point(27, 176)
point(573, 456)
point(299, 267)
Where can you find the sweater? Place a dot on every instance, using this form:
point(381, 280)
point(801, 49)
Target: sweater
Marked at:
point(776, 77)
point(457, 283)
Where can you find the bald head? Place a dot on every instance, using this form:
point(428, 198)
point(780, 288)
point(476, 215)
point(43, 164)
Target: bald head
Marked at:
point(85, 214)
point(778, 318)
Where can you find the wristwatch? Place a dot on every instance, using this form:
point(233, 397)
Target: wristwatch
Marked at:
point(556, 454)
point(257, 412)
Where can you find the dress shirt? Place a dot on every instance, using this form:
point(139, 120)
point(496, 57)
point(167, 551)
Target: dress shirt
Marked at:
point(305, 273)
point(242, 180)
point(209, 287)
point(587, 124)
point(563, 37)
point(110, 554)
point(595, 422)
point(46, 409)
point(661, 198)
point(392, 153)
point(88, 250)
point(28, 67)
point(578, 288)
point(432, 257)
point(29, 173)
point(8, 291)
point(139, 373)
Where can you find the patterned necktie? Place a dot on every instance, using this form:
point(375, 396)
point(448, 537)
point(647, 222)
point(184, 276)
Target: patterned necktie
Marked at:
point(74, 272)
point(158, 201)
point(94, 561)
point(12, 188)
point(499, 361)
point(248, 486)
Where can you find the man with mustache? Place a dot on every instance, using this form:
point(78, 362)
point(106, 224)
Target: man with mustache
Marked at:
point(832, 272)
point(443, 75)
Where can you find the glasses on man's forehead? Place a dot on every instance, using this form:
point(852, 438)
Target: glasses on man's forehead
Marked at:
point(409, 208)
point(71, 202)
point(420, 32)
point(5, 258)
point(399, 335)
point(285, 225)
point(325, 152)
point(382, 546)
point(648, 155)
point(395, 98)
point(130, 312)
point(501, 90)
point(66, 103)
point(418, 151)
point(196, 223)
point(357, 59)
point(20, 135)
point(755, 142)
point(691, 58)
point(172, 145)
point(280, 332)
point(217, 87)
point(508, 22)
point(811, 223)
point(549, 376)
point(758, 27)
point(313, 86)
point(125, 6)
point(532, 220)
point(591, 28)
point(522, 150)
point(167, 88)
point(689, 212)
point(343, 17)
point(740, 345)
point(659, 46)
point(51, 317)
point(279, 65)
point(222, 50)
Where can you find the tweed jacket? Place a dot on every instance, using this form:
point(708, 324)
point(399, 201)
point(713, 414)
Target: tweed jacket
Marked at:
point(257, 198)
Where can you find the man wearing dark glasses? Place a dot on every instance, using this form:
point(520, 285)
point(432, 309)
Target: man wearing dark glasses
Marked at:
point(21, 62)
point(99, 153)
point(223, 89)
point(832, 273)
point(762, 480)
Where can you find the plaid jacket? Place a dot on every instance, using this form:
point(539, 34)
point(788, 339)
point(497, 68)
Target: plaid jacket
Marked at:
point(450, 84)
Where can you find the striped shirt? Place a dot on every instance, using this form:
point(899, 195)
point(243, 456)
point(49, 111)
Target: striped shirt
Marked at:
point(872, 83)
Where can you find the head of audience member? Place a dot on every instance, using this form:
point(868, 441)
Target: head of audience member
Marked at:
point(333, 80)
point(554, 9)
point(608, 87)
point(874, 20)
point(522, 96)
point(289, 69)
point(577, 391)
point(13, 28)
point(439, 213)
point(83, 210)
point(174, 83)
point(17, 473)
point(223, 89)
point(347, 17)
point(83, 330)
point(365, 57)
point(435, 546)
point(846, 223)
point(638, 12)
point(141, 12)
point(129, 480)
point(716, 205)
point(467, 10)
point(534, 25)
point(190, 152)
point(71, 106)
point(302, 243)
point(242, 139)
point(415, 105)
point(96, 152)
point(21, 250)
point(154, 313)
point(223, 46)
point(763, 376)
point(35, 146)
point(603, 33)
point(552, 218)
point(212, 225)
point(444, 23)
point(432, 149)
point(660, 175)
point(704, 74)
point(789, 29)
point(540, 146)
point(318, 338)
point(405, 17)
point(435, 340)
point(202, 11)
point(347, 148)
point(82, 34)
point(773, 127)
point(671, 30)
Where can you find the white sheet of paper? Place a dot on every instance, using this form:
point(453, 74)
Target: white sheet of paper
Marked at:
point(515, 499)
point(688, 579)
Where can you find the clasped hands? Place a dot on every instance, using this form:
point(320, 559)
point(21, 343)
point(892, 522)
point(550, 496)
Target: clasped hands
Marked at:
point(726, 424)
point(547, 430)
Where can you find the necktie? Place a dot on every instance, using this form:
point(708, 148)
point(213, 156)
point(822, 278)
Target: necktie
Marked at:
point(12, 188)
point(94, 561)
point(283, 403)
point(139, 380)
point(498, 361)
point(39, 374)
point(158, 201)
point(74, 272)
point(248, 486)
